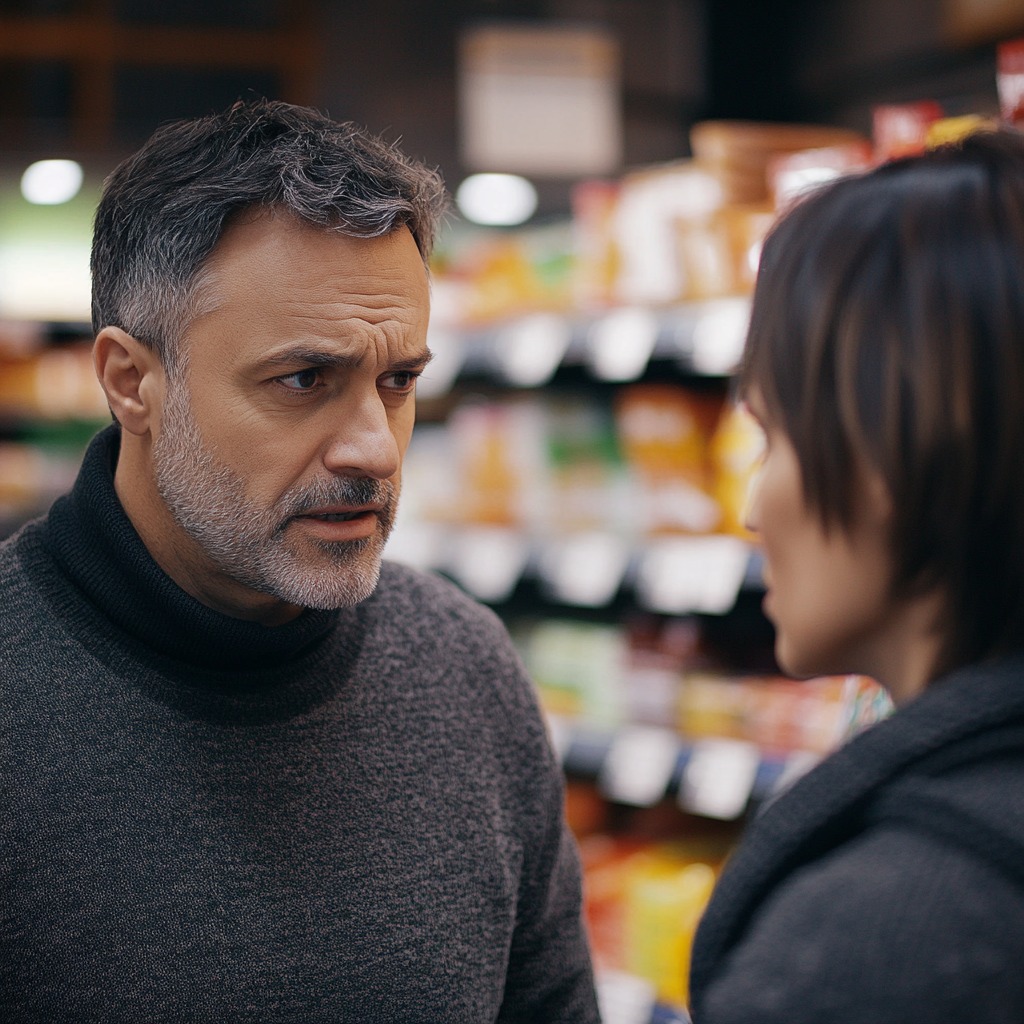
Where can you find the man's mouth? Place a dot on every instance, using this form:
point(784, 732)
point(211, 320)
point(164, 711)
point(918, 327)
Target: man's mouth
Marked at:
point(338, 517)
point(339, 524)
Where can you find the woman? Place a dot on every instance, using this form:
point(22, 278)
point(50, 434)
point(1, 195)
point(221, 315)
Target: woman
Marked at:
point(885, 361)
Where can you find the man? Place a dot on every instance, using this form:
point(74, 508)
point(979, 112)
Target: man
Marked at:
point(249, 772)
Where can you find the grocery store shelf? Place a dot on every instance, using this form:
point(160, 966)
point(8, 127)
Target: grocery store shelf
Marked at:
point(642, 765)
point(615, 345)
point(673, 574)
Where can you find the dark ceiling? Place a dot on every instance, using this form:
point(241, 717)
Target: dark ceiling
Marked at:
point(93, 78)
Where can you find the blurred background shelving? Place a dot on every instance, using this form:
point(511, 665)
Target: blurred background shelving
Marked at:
point(579, 462)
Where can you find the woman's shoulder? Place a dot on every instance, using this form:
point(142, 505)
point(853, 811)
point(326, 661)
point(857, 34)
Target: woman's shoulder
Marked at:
point(895, 923)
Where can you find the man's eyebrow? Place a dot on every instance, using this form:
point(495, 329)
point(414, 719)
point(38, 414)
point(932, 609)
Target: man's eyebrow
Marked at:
point(340, 360)
point(416, 362)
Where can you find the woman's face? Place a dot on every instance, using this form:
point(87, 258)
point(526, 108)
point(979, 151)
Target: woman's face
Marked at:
point(829, 592)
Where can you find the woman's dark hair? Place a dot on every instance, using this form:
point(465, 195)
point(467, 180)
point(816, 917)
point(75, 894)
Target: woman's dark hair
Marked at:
point(164, 209)
point(887, 332)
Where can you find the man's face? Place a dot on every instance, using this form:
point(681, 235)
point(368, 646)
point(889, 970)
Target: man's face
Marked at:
point(280, 447)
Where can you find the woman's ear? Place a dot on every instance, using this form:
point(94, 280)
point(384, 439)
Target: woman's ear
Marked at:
point(132, 377)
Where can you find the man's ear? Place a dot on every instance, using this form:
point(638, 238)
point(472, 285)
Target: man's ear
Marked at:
point(132, 377)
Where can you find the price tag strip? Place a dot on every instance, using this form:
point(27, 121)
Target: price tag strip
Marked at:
point(584, 569)
point(417, 543)
point(692, 574)
point(620, 343)
point(560, 735)
point(489, 563)
point(529, 350)
point(719, 778)
point(639, 765)
point(624, 998)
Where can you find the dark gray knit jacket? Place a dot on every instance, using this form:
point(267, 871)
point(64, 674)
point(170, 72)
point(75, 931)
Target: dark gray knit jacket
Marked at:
point(887, 886)
point(355, 817)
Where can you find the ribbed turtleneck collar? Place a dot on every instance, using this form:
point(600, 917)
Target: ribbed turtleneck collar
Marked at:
point(92, 538)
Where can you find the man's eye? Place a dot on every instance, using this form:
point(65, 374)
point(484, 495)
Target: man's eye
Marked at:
point(402, 380)
point(301, 380)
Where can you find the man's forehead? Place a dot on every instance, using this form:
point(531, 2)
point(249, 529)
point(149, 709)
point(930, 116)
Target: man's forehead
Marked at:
point(266, 250)
point(254, 225)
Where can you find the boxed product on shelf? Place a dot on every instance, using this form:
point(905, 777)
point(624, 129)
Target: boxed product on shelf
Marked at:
point(743, 227)
point(660, 458)
point(659, 649)
point(547, 464)
point(792, 174)
point(642, 902)
point(665, 432)
point(739, 152)
point(666, 894)
point(587, 485)
point(735, 450)
point(668, 247)
point(31, 477)
point(504, 274)
point(50, 405)
point(664, 235)
point(52, 384)
point(607, 861)
point(1010, 80)
point(679, 238)
point(596, 255)
point(599, 497)
point(787, 716)
point(497, 451)
point(901, 129)
point(779, 715)
point(707, 262)
point(578, 668)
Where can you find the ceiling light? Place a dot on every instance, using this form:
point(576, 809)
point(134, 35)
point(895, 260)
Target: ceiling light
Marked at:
point(496, 199)
point(49, 182)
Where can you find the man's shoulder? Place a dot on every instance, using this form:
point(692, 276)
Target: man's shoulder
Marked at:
point(15, 550)
point(23, 574)
point(431, 613)
point(427, 595)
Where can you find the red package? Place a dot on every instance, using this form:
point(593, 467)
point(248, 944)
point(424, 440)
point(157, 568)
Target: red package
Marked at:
point(901, 129)
point(1010, 80)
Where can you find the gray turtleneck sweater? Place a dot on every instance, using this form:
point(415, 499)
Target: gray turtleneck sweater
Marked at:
point(353, 817)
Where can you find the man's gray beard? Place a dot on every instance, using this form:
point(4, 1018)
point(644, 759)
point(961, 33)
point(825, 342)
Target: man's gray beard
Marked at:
point(250, 543)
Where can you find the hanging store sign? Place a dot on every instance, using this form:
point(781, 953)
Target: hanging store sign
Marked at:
point(541, 100)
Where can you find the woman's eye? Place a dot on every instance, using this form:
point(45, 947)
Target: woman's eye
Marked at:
point(301, 380)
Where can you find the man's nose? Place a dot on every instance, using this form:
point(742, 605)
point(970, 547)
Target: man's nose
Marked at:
point(363, 442)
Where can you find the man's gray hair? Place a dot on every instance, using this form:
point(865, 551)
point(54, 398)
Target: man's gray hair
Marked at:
point(164, 209)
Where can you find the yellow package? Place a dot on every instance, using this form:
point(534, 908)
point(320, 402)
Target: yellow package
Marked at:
point(736, 448)
point(665, 897)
